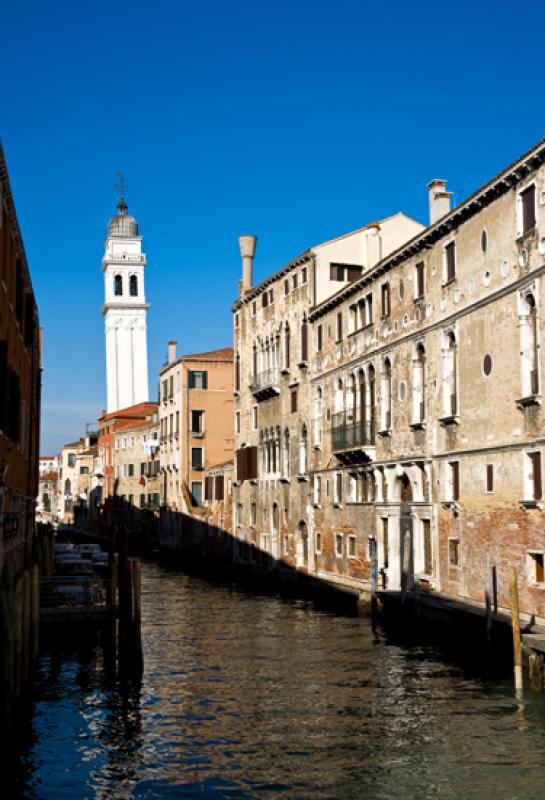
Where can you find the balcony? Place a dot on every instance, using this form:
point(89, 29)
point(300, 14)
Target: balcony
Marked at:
point(266, 384)
point(352, 437)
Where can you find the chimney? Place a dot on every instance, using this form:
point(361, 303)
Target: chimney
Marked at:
point(172, 350)
point(439, 199)
point(247, 251)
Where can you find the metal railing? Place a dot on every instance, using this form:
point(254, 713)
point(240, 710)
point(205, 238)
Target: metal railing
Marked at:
point(265, 380)
point(350, 430)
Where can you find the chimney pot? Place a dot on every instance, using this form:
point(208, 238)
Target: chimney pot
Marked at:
point(247, 252)
point(439, 199)
point(172, 350)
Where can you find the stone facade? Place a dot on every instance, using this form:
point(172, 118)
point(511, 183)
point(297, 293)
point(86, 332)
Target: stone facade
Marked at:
point(136, 457)
point(418, 418)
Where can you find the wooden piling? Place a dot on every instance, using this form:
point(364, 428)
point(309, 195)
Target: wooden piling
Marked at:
point(137, 614)
point(487, 597)
point(515, 622)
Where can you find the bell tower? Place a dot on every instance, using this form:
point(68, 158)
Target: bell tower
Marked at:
point(125, 312)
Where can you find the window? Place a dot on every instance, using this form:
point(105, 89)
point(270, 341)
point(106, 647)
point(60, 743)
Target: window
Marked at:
point(254, 418)
point(286, 287)
point(237, 421)
point(293, 401)
point(142, 468)
point(303, 451)
point(338, 488)
point(304, 275)
point(317, 489)
point(177, 422)
point(287, 347)
point(265, 299)
point(450, 262)
point(339, 326)
point(197, 458)
point(197, 379)
point(351, 546)
point(84, 471)
point(118, 285)
point(318, 542)
point(536, 568)
point(319, 338)
point(294, 280)
point(344, 272)
point(533, 489)
point(237, 372)
point(453, 481)
point(304, 341)
point(386, 391)
point(428, 553)
point(131, 470)
point(454, 552)
point(196, 492)
point(528, 209)
point(271, 297)
point(253, 515)
point(142, 500)
point(529, 346)
point(71, 459)
point(254, 308)
point(385, 299)
point(419, 278)
point(419, 386)
point(489, 477)
point(131, 499)
point(339, 545)
point(450, 376)
point(133, 286)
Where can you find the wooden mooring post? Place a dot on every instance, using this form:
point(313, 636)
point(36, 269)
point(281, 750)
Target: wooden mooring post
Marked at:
point(515, 622)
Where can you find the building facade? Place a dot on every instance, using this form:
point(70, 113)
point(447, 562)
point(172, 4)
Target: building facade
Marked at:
point(408, 413)
point(110, 426)
point(196, 422)
point(125, 313)
point(136, 461)
point(20, 387)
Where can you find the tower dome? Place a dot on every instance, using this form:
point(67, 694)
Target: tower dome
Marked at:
point(122, 224)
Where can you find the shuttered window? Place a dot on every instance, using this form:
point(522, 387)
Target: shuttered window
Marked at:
point(528, 200)
point(293, 401)
point(535, 460)
point(265, 299)
point(247, 464)
point(455, 479)
point(286, 287)
point(450, 255)
point(489, 478)
point(197, 379)
point(339, 326)
point(419, 270)
point(319, 332)
point(237, 373)
point(385, 299)
point(219, 487)
point(209, 488)
point(287, 345)
point(304, 341)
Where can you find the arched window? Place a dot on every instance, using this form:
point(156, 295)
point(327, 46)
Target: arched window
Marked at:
point(370, 403)
point(287, 346)
point(286, 455)
point(528, 325)
point(339, 396)
point(450, 375)
point(419, 385)
point(133, 286)
point(318, 414)
point(118, 285)
point(386, 404)
point(303, 451)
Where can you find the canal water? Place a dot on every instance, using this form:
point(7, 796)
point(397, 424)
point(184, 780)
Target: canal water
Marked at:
point(255, 696)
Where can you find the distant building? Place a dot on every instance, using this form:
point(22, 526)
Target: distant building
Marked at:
point(76, 475)
point(196, 421)
point(125, 312)
point(48, 464)
point(136, 461)
point(110, 432)
point(48, 503)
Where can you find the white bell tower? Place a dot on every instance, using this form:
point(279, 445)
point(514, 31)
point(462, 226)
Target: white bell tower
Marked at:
point(125, 312)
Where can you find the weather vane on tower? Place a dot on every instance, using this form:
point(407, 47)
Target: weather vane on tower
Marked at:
point(121, 185)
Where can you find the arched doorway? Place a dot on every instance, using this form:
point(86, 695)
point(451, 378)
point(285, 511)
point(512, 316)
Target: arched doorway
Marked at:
point(302, 544)
point(405, 495)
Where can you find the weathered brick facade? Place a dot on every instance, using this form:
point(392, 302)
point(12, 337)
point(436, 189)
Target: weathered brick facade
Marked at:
point(420, 399)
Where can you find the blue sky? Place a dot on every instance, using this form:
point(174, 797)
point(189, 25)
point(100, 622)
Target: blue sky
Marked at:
point(295, 121)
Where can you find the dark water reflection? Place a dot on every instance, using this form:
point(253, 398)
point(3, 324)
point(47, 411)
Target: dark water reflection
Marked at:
point(247, 696)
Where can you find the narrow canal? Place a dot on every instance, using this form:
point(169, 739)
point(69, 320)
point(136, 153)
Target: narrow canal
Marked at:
point(248, 696)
